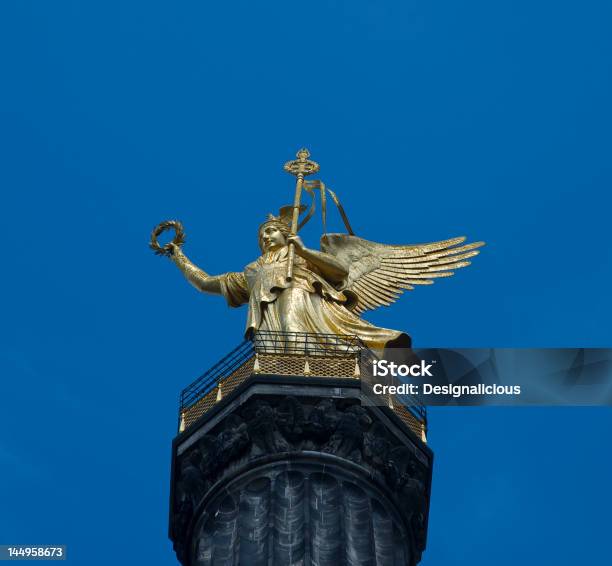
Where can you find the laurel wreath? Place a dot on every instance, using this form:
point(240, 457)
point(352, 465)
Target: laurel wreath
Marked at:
point(178, 240)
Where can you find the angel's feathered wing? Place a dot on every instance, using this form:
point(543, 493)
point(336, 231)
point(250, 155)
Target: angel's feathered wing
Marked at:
point(379, 274)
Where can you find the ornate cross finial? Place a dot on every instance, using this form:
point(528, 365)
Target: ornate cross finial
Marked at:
point(302, 164)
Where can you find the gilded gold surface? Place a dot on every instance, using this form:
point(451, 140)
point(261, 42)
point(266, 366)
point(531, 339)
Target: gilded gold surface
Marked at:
point(301, 167)
point(293, 288)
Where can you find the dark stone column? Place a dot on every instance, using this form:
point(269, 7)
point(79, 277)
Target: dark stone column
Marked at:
point(254, 527)
point(325, 515)
point(289, 519)
point(308, 479)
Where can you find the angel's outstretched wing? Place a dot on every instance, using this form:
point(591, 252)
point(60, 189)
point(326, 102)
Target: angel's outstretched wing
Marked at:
point(379, 274)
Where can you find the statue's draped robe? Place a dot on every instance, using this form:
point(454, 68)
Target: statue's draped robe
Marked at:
point(308, 303)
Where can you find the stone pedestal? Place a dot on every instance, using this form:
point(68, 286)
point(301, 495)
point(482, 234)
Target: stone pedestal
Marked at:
point(299, 471)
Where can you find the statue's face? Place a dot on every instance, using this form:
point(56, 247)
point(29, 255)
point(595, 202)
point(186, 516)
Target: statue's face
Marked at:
point(271, 238)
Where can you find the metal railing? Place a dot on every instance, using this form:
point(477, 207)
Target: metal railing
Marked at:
point(305, 343)
point(209, 379)
point(290, 353)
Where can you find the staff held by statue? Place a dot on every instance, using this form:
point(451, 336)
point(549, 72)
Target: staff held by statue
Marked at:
point(300, 167)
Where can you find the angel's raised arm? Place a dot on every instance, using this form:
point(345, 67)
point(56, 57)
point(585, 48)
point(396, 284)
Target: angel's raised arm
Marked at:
point(231, 285)
point(201, 280)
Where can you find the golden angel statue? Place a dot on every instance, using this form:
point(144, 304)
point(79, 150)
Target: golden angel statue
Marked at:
point(330, 287)
point(295, 289)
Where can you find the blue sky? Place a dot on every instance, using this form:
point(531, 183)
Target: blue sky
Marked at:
point(429, 119)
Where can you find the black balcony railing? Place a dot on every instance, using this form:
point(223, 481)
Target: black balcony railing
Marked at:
point(210, 378)
point(341, 352)
point(304, 343)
